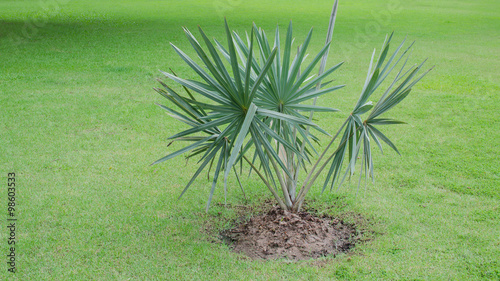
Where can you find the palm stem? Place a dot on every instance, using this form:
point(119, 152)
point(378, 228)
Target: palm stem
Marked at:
point(288, 202)
point(304, 190)
point(275, 194)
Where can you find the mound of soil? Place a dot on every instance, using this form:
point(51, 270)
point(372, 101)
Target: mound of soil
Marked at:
point(296, 236)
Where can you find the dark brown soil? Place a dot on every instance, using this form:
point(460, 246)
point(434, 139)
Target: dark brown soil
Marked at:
point(295, 236)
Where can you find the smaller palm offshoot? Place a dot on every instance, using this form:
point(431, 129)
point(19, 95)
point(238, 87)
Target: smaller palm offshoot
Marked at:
point(257, 107)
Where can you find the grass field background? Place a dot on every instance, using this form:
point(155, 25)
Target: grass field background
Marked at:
point(79, 129)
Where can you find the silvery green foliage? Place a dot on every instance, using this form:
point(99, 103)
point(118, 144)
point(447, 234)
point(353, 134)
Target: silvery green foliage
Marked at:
point(253, 105)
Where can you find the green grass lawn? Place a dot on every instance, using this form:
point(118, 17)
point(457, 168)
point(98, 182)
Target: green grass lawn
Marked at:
point(80, 128)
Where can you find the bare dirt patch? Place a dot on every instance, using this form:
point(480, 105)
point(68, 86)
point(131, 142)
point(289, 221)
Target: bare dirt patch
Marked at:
point(296, 236)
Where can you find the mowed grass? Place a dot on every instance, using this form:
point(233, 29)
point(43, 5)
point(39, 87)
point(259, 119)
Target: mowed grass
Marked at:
point(79, 129)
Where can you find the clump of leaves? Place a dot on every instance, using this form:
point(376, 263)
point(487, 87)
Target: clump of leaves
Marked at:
point(253, 107)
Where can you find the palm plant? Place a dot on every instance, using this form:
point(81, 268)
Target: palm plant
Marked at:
point(253, 106)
